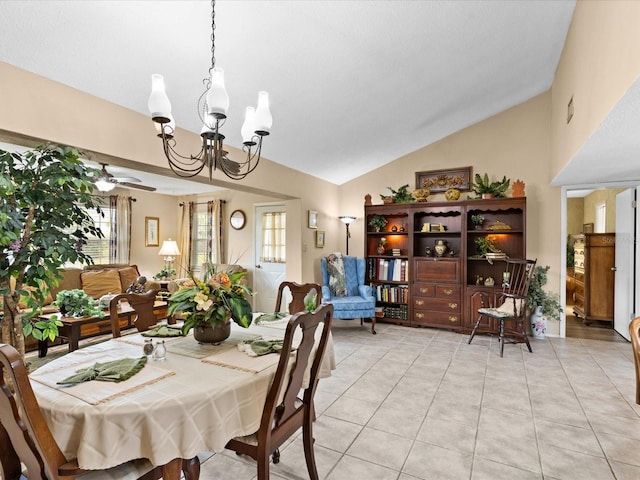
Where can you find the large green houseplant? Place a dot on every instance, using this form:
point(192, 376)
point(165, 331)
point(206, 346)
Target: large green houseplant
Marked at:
point(46, 193)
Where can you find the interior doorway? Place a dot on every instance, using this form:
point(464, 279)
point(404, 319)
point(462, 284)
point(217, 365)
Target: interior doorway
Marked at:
point(585, 213)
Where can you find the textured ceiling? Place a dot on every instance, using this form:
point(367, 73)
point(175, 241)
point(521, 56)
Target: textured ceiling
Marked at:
point(353, 84)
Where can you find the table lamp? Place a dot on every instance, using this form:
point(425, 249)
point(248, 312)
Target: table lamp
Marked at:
point(170, 250)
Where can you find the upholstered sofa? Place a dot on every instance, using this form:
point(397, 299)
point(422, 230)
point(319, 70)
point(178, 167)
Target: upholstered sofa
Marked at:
point(96, 281)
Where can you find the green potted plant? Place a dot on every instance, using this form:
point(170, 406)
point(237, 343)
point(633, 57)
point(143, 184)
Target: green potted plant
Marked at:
point(166, 273)
point(76, 303)
point(477, 221)
point(45, 191)
point(402, 195)
point(484, 246)
point(378, 222)
point(544, 305)
point(483, 188)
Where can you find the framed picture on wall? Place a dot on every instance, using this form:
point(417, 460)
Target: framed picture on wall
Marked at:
point(587, 228)
point(312, 220)
point(320, 239)
point(151, 231)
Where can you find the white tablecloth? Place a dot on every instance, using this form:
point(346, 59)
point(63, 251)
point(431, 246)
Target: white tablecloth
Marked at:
point(198, 407)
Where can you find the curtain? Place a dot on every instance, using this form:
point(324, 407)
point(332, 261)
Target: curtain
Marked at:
point(184, 241)
point(214, 232)
point(274, 225)
point(120, 238)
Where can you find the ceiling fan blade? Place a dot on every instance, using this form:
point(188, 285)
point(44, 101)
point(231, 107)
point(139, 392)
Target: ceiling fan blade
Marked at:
point(139, 187)
point(126, 179)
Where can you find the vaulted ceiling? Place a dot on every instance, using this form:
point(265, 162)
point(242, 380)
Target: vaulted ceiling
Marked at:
point(353, 84)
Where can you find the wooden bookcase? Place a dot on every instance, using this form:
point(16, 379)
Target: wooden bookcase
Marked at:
point(434, 289)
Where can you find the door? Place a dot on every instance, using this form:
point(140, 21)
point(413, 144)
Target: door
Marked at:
point(268, 274)
point(625, 262)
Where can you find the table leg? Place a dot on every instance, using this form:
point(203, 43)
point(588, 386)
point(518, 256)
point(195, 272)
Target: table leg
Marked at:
point(172, 470)
point(191, 468)
point(74, 337)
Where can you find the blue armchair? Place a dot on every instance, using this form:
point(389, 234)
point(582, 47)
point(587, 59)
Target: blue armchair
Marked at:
point(359, 301)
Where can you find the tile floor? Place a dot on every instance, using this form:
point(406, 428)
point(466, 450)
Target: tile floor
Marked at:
point(412, 404)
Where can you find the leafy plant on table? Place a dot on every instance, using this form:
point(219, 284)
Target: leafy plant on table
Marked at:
point(47, 194)
point(76, 303)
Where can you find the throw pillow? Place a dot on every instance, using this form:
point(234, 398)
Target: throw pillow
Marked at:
point(337, 279)
point(507, 306)
point(128, 276)
point(97, 283)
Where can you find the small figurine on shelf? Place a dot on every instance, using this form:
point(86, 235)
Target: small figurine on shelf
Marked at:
point(428, 252)
point(477, 221)
point(381, 246)
point(479, 280)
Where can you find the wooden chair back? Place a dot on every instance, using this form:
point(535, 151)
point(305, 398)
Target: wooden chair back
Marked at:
point(298, 292)
point(24, 434)
point(515, 283)
point(284, 412)
point(634, 333)
point(142, 303)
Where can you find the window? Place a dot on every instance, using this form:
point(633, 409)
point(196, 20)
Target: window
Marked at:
point(274, 226)
point(601, 217)
point(206, 234)
point(98, 248)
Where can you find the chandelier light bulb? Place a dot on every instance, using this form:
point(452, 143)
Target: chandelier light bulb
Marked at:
point(248, 127)
point(263, 116)
point(217, 97)
point(159, 104)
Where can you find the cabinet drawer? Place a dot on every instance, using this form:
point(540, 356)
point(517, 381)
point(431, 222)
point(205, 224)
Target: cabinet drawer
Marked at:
point(437, 270)
point(424, 290)
point(448, 291)
point(423, 317)
point(437, 304)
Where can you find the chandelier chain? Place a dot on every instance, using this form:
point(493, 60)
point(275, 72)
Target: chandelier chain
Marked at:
point(213, 35)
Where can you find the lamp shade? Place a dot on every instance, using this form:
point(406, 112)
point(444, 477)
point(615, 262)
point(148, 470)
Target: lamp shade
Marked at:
point(347, 219)
point(159, 104)
point(169, 248)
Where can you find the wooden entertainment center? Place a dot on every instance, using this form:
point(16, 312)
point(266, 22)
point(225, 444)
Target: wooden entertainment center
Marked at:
point(441, 272)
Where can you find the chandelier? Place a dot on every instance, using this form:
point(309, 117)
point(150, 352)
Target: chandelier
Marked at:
point(212, 110)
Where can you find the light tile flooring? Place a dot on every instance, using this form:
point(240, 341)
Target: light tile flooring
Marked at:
point(412, 404)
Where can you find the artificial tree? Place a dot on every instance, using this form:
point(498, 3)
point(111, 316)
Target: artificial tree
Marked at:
point(46, 196)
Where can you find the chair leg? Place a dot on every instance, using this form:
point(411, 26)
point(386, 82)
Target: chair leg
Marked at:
point(373, 325)
point(263, 466)
point(275, 456)
point(525, 336)
point(307, 440)
point(501, 335)
point(473, 332)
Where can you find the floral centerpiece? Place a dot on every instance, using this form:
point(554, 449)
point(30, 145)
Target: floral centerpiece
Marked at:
point(213, 301)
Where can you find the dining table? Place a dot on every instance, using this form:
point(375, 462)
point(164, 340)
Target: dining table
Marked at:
point(195, 399)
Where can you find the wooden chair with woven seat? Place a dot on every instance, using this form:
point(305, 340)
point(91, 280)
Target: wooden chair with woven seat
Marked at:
point(25, 436)
point(142, 303)
point(634, 333)
point(509, 303)
point(298, 292)
point(284, 412)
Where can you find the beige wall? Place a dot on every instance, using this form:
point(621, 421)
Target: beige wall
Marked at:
point(599, 62)
point(575, 215)
point(606, 196)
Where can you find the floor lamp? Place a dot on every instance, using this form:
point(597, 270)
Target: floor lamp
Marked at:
point(347, 219)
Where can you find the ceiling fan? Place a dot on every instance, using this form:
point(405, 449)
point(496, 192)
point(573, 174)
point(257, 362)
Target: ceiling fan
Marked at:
point(107, 182)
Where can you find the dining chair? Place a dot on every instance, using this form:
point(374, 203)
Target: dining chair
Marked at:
point(284, 411)
point(298, 292)
point(634, 333)
point(25, 437)
point(142, 304)
point(508, 303)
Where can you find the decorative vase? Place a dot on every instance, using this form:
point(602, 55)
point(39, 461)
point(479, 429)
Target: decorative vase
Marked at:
point(538, 323)
point(441, 248)
point(452, 194)
point(381, 249)
point(205, 333)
